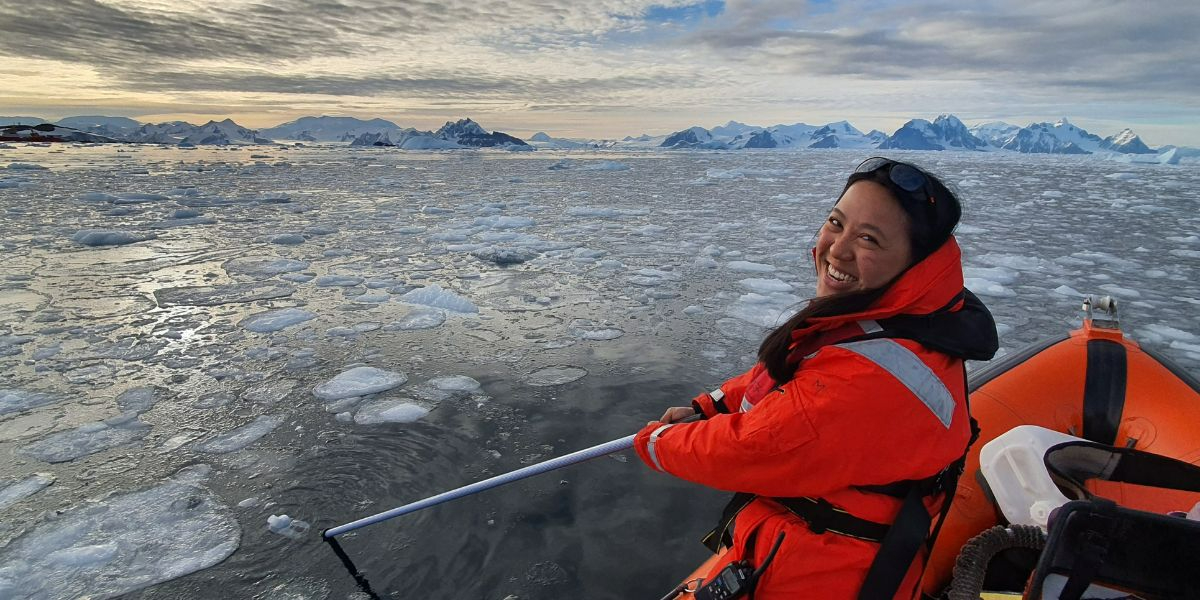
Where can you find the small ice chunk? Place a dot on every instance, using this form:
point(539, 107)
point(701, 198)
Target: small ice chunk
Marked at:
point(421, 318)
point(287, 239)
point(359, 381)
point(263, 266)
point(242, 436)
point(591, 330)
point(555, 375)
point(19, 166)
point(275, 320)
point(389, 411)
point(15, 492)
point(137, 400)
point(504, 256)
point(437, 297)
point(88, 439)
point(751, 267)
point(765, 286)
point(287, 526)
point(107, 237)
point(14, 400)
point(338, 281)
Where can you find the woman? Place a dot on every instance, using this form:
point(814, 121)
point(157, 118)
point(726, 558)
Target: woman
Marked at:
point(856, 408)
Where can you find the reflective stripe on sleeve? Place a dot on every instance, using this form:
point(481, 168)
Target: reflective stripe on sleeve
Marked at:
point(911, 371)
point(869, 326)
point(650, 446)
point(717, 395)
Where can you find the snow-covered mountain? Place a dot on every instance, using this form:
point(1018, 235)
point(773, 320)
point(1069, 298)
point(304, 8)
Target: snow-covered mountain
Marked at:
point(542, 139)
point(49, 132)
point(995, 133)
point(466, 132)
point(212, 133)
point(329, 129)
point(735, 136)
point(945, 132)
point(111, 127)
point(463, 133)
point(692, 137)
point(1125, 142)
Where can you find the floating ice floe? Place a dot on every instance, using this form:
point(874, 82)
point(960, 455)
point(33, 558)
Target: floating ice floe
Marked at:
point(287, 526)
point(137, 400)
point(504, 256)
point(421, 318)
point(88, 439)
point(14, 492)
point(437, 297)
point(338, 281)
point(262, 267)
point(122, 543)
point(389, 411)
point(444, 388)
point(107, 237)
point(359, 381)
point(587, 329)
point(275, 320)
point(765, 286)
point(765, 310)
point(749, 267)
point(216, 295)
point(555, 375)
point(18, 166)
point(242, 436)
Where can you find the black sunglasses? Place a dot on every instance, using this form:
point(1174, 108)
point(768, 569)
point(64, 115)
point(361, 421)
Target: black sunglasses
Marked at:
point(906, 177)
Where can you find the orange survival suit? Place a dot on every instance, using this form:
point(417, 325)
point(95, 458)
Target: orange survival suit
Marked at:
point(868, 406)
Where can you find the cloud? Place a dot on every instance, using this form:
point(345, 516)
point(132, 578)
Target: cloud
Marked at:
point(1122, 48)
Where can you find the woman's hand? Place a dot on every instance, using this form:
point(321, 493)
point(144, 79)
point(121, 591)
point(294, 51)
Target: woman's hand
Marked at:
point(674, 414)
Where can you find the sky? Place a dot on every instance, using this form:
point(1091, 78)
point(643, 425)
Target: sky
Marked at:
point(610, 68)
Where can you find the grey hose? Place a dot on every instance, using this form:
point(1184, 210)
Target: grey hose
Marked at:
point(972, 562)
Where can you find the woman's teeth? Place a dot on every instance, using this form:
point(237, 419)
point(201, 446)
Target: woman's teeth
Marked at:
point(838, 275)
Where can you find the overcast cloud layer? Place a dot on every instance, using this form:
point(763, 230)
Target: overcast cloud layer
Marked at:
point(610, 67)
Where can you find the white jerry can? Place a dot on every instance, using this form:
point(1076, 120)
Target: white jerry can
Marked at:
point(1013, 465)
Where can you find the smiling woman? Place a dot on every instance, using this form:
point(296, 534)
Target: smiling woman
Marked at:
point(874, 361)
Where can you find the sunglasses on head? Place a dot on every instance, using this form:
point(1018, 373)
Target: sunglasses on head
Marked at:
point(905, 176)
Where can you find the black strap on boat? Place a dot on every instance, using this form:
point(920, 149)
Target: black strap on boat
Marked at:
point(1104, 390)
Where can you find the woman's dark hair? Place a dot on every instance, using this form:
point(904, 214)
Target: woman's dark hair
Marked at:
point(931, 221)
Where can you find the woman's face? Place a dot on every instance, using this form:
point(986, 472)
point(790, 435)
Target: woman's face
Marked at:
point(864, 243)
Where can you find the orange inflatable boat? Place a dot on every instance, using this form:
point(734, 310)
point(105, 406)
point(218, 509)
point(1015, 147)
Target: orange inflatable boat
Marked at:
point(1092, 383)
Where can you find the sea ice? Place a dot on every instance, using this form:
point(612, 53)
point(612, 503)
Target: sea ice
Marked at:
point(137, 400)
point(242, 436)
point(504, 256)
point(14, 492)
point(261, 267)
point(359, 381)
point(587, 329)
point(106, 237)
point(287, 526)
point(555, 375)
point(338, 281)
point(121, 543)
point(389, 411)
point(751, 267)
point(275, 320)
point(88, 439)
point(14, 400)
point(421, 318)
point(437, 297)
point(217, 295)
